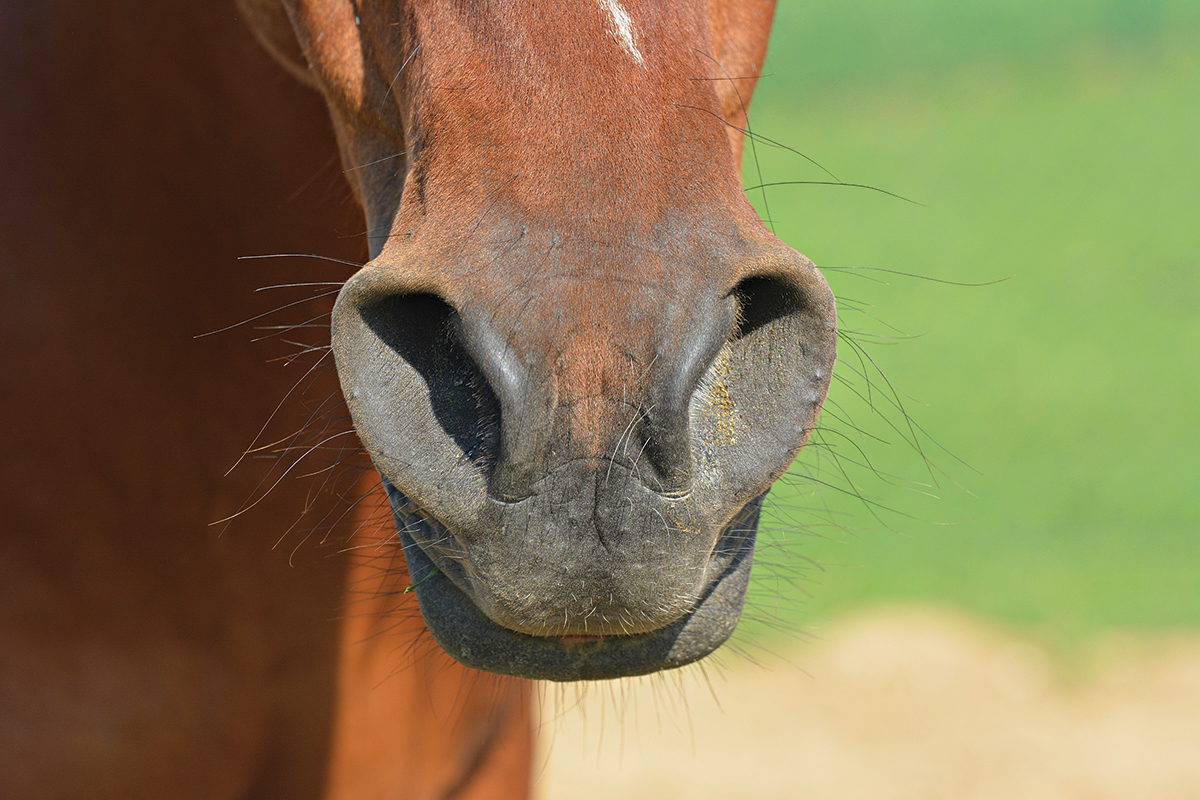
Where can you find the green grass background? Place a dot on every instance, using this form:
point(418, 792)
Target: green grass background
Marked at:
point(1055, 488)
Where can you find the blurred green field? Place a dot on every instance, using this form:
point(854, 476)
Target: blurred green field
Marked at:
point(1055, 486)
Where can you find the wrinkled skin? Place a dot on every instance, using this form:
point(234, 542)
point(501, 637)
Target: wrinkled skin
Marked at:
point(576, 357)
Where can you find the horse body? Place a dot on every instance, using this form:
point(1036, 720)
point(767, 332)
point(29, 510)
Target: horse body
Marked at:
point(571, 356)
point(145, 652)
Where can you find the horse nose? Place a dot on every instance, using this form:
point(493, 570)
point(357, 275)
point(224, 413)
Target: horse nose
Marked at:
point(464, 404)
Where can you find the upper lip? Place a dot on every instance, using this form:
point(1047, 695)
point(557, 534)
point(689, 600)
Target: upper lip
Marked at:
point(441, 552)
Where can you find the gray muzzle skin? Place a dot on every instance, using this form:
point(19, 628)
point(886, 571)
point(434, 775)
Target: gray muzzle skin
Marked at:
point(472, 639)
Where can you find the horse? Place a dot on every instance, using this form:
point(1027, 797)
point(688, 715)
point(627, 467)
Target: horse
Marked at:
point(573, 354)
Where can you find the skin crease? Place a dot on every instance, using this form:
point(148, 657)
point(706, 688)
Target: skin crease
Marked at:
point(145, 652)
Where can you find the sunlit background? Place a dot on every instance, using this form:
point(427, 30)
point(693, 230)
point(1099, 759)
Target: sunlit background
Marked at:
point(1047, 349)
point(1012, 442)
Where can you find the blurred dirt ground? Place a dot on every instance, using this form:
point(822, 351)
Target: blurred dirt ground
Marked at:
point(904, 704)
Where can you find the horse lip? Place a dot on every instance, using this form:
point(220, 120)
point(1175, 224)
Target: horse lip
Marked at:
point(473, 639)
point(579, 640)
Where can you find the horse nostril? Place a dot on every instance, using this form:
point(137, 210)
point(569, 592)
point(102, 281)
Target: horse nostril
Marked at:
point(763, 301)
point(422, 354)
point(763, 393)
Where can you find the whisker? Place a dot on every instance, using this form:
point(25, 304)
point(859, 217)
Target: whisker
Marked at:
point(265, 314)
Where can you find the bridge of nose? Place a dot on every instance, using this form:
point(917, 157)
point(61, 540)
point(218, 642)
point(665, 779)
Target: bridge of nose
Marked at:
point(596, 385)
point(584, 114)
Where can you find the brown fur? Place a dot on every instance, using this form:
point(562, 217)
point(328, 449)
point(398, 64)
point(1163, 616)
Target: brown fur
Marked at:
point(145, 652)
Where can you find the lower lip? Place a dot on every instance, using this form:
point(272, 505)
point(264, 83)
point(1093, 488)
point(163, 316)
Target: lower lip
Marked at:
point(576, 640)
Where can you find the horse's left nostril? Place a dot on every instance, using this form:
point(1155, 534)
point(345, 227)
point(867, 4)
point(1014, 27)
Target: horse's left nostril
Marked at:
point(766, 388)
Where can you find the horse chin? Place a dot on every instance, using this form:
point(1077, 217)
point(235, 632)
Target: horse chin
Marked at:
point(468, 635)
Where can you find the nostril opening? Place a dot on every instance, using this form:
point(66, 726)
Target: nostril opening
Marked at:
point(420, 329)
point(763, 300)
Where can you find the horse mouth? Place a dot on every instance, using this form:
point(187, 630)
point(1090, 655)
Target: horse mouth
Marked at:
point(468, 635)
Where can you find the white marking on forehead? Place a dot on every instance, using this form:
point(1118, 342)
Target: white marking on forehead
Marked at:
point(623, 28)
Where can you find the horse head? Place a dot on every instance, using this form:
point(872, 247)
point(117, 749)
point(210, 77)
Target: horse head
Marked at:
point(576, 356)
